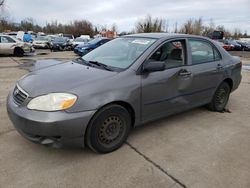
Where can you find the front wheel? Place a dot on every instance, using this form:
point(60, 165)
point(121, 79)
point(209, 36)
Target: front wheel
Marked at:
point(220, 98)
point(108, 129)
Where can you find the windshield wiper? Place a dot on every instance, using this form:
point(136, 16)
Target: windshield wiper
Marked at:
point(101, 65)
point(81, 60)
point(92, 63)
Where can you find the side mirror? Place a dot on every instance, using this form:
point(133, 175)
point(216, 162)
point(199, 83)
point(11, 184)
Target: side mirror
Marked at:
point(153, 66)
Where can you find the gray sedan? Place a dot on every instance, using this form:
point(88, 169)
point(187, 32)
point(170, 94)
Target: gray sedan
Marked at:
point(96, 100)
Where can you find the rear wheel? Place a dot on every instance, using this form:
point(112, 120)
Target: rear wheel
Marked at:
point(18, 52)
point(108, 129)
point(220, 98)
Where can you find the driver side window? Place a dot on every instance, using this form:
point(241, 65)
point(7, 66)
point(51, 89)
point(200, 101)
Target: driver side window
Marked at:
point(171, 53)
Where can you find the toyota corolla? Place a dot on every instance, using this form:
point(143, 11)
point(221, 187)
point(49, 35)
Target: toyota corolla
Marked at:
point(96, 100)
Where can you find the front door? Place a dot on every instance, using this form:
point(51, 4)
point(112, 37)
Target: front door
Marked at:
point(164, 92)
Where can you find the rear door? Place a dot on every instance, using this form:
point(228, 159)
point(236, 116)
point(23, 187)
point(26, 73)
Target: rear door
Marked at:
point(207, 70)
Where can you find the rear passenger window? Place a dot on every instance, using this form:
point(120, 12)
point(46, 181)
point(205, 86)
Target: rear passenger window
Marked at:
point(203, 52)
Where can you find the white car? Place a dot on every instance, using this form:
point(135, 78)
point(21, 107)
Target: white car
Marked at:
point(79, 40)
point(10, 45)
point(41, 42)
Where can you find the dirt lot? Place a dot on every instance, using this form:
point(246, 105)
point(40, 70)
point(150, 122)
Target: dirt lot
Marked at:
point(197, 148)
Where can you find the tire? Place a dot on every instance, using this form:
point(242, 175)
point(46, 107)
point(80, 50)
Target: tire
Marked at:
point(220, 98)
point(108, 129)
point(18, 52)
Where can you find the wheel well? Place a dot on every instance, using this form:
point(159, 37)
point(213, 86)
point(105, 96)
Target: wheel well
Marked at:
point(17, 48)
point(230, 82)
point(127, 106)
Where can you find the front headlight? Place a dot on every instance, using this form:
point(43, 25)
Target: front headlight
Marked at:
point(52, 102)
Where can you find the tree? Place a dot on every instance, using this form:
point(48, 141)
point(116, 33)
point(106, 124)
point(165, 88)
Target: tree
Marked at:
point(2, 2)
point(148, 25)
point(187, 27)
point(27, 24)
point(197, 26)
point(245, 34)
point(176, 27)
point(114, 27)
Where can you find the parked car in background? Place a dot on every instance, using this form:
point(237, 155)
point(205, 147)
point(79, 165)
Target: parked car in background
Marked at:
point(227, 47)
point(79, 41)
point(11, 45)
point(234, 44)
point(41, 42)
point(91, 45)
point(61, 44)
point(20, 35)
point(69, 36)
point(13, 34)
point(85, 37)
point(245, 45)
point(52, 37)
point(95, 100)
point(216, 35)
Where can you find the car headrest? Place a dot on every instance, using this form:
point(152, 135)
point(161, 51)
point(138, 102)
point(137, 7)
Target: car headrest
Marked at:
point(176, 54)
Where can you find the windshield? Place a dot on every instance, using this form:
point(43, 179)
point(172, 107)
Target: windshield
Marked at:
point(80, 40)
point(41, 38)
point(233, 42)
point(120, 53)
point(60, 39)
point(94, 40)
point(68, 36)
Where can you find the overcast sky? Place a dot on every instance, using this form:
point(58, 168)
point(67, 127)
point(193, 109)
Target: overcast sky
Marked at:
point(230, 13)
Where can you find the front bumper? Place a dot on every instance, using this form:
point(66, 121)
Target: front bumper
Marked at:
point(80, 51)
point(40, 45)
point(58, 129)
point(29, 49)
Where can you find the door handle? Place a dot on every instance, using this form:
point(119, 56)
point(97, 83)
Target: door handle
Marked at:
point(219, 67)
point(185, 73)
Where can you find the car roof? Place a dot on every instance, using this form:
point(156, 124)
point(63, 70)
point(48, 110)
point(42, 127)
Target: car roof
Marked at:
point(4, 35)
point(163, 35)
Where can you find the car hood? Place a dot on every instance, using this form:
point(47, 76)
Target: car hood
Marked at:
point(40, 41)
point(61, 78)
point(55, 43)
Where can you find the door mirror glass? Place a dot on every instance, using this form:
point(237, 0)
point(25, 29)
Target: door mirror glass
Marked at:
point(153, 66)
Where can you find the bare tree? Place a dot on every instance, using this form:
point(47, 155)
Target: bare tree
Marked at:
point(176, 27)
point(2, 2)
point(114, 27)
point(148, 25)
point(187, 27)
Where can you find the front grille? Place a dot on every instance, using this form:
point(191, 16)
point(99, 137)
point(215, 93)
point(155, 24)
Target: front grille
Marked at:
point(19, 95)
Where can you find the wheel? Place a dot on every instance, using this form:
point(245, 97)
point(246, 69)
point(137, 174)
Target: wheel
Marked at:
point(18, 52)
point(108, 129)
point(220, 98)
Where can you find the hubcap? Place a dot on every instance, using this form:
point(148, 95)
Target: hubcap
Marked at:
point(222, 96)
point(111, 130)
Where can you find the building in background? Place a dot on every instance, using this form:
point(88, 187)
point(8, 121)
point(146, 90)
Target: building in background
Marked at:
point(109, 34)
